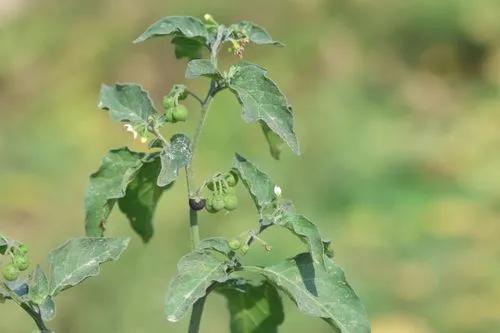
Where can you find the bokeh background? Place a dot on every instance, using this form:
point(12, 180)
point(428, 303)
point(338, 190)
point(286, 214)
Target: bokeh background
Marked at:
point(398, 114)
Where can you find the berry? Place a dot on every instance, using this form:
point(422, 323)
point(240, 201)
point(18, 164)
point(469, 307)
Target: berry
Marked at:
point(21, 262)
point(169, 116)
point(10, 272)
point(231, 178)
point(230, 201)
point(180, 113)
point(197, 204)
point(23, 249)
point(234, 244)
point(218, 202)
point(168, 103)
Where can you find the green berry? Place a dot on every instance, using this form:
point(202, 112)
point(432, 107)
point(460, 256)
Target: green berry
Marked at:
point(23, 249)
point(21, 262)
point(169, 116)
point(234, 244)
point(231, 178)
point(218, 202)
point(230, 201)
point(229, 190)
point(180, 113)
point(10, 272)
point(168, 103)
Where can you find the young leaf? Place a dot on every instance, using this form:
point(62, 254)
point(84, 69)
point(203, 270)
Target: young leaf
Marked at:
point(108, 184)
point(127, 103)
point(218, 244)
point(79, 259)
point(48, 309)
point(253, 308)
point(174, 157)
point(201, 67)
point(319, 292)
point(141, 198)
point(256, 34)
point(260, 186)
point(39, 286)
point(185, 26)
point(261, 99)
point(190, 48)
point(197, 271)
point(307, 231)
point(273, 140)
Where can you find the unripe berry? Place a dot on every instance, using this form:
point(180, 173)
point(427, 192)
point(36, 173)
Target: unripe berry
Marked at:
point(21, 262)
point(10, 272)
point(230, 201)
point(231, 178)
point(218, 202)
point(234, 244)
point(180, 113)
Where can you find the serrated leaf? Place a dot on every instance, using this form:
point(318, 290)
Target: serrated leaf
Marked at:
point(128, 103)
point(79, 259)
point(255, 33)
point(262, 100)
point(38, 286)
point(141, 198)
point(201, 67)
point(273, 140)
point(108, 184)
point(253, 308)
point(174, 157)
point(319, 292)
point(258, 183)
point(197, 271)
point(47, 309)
point(185, 26)
point(218, 244)
point(190, 48)
point(307, 231)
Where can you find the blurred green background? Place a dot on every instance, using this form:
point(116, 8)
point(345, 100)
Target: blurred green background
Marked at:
point(397, 111)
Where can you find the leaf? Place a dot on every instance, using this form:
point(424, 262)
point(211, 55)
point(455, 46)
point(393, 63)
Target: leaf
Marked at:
point(141, 198)
point(253, 308)
point(190, 48)
point(218, 244)
point(79, 259)
point(260, 186)
point(256, 34)
point(197, 271)
point(108, 184)
point(127, 103)
point(174, 157)
point(261, 99)
point(185, 26)
point(307, 231)
point(4, 244)
point(274, 141)
point(319, 292)
point(48, 309)
point(39, 286)
point(201, 67)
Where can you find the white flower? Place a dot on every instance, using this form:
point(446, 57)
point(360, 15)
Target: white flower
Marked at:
point(130, 128)
point(277, 190)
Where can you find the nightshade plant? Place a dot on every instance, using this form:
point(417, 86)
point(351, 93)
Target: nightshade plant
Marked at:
point(136, 180)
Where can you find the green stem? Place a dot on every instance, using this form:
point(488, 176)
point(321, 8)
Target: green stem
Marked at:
point(194, 323)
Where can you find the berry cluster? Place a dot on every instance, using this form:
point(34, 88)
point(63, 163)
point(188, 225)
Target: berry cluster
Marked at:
point(222, 194)
point(18, 262)
point(174, 111)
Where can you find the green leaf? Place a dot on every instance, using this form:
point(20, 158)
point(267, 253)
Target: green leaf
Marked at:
point(218, 244)
point(48, 309)
point(258, 183)
point(39, 286)
point(185, 26)
point(273, 140)
point(261, 99)
point(190, 48)
point(256, 34)
point(127, 103)
point(197, 271)
point(108, 184)
point(307, 231)
point(141, 198)
point(174, 157)
point(319, 292)
point(79, 259)
point(253, 308)
point(201, 67)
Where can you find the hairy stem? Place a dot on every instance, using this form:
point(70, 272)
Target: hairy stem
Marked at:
point(194, 323)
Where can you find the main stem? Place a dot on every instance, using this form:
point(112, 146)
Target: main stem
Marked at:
point(194, 323)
